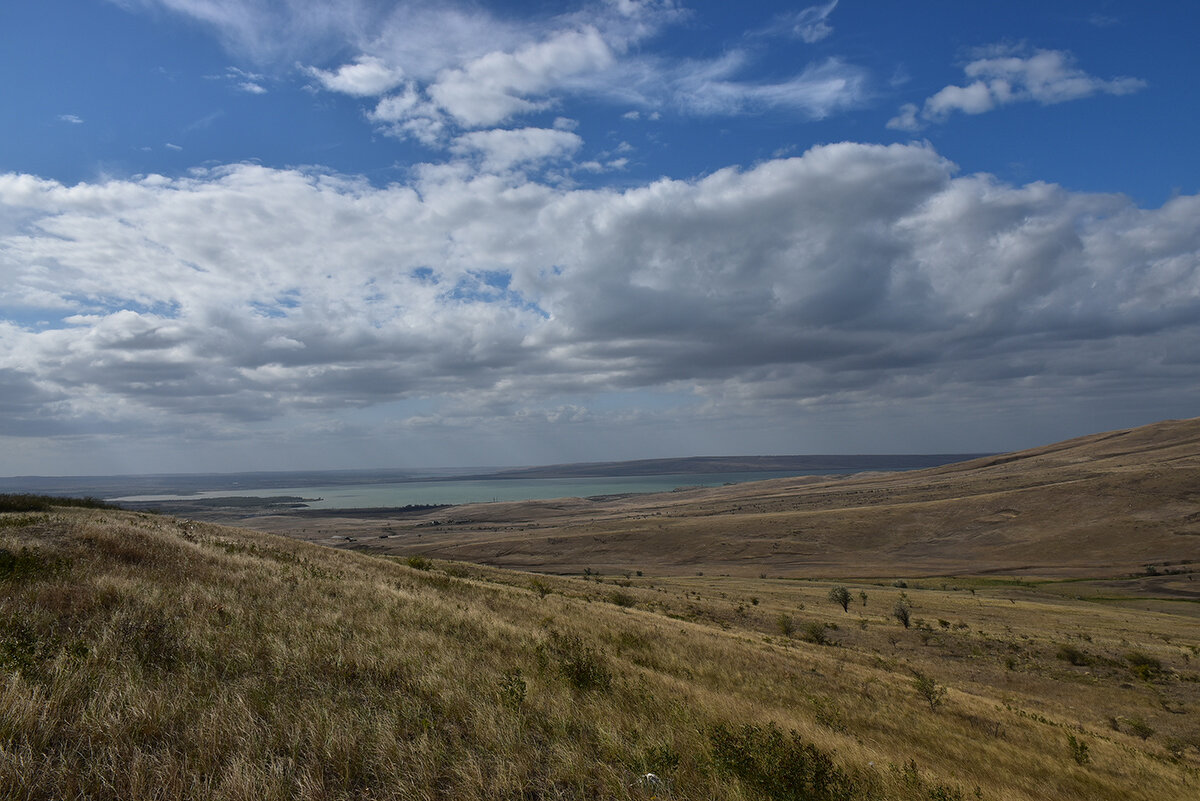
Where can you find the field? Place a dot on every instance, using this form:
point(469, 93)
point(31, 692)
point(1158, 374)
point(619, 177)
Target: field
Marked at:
point(145, 656)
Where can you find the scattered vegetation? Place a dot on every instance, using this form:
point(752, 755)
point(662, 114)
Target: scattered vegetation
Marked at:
point(146, 657)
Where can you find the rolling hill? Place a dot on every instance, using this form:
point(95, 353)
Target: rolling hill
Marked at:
point(149, 657)
point(1101, 505)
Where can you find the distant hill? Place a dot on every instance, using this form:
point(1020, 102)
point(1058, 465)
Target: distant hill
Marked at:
point(1095, 505)
point(700, 465)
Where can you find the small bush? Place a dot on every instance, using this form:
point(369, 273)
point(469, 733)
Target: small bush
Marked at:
point(584, 668)
point(1144, 666)
point(902, 613)
point(513, 689)
point(814, 632)
point(1139, 728)
point(1079, 750)
point(933, 693)
point(910, 776)
point(779, 765)
point(418, 563)
point(785, 624)
point(622, 599)
point(27, 564)
point(540, 587)
point(1069, 653)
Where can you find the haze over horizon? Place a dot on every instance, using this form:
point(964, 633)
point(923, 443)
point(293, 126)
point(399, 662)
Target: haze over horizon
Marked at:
point(242, 235)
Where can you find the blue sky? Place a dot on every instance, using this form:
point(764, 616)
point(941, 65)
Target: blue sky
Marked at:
point(255, 234)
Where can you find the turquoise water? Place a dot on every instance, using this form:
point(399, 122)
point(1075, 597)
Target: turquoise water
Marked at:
point(362, 496)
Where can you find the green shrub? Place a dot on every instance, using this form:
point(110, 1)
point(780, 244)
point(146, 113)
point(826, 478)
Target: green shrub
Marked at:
point(840, 596)
point(583, 667)
point(1144, 666)
point(814, 632)
point(779, 765)
point(27, 564)
point(785, 624)
point(1079, 750)
point(902, 613)
point(933, 693)
point(513, 689)
point(418, 563)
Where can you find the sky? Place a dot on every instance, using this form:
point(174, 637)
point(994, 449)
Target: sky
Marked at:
point(246, 235)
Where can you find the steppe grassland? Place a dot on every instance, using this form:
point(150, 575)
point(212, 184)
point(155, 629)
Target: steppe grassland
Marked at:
point(146, 657)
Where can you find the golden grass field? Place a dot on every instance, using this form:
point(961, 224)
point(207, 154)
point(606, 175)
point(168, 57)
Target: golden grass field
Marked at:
point(149, 657)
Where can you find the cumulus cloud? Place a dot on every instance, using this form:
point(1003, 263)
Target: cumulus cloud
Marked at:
point(853, 275)
point(367, 76)
point(502, 149)
point(435, 70)
point(1005, 76)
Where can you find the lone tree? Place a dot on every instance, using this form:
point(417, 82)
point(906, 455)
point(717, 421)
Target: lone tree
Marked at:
point(901, 613)
point(933, 693)
point(840, 595)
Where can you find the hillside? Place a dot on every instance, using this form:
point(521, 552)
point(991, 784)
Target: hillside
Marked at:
point(149, 657)
point(1098, 506)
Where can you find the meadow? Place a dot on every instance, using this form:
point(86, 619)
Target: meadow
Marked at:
point(149, 657)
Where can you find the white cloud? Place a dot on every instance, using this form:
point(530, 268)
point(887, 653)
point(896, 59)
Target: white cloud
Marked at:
point(812, 24)
point(819, 90)
point(170, 146)
point(502, 149)
point(367, 76)
point(854, 276)
point(250, 87)
point(71, 118)
point(1005, 76)
point(491, 89)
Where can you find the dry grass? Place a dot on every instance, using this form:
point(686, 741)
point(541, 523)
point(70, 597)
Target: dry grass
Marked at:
point(144, 657)
point(1098, 506)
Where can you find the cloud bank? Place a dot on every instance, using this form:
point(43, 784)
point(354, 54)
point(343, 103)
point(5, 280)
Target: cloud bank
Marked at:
point(854, 275)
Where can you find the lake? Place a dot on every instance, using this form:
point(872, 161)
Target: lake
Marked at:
point(459, 491)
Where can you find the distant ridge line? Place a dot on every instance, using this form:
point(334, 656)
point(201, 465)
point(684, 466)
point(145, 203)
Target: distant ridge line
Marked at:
point(737, 464)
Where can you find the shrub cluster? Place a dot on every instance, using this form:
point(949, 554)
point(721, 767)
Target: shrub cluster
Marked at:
point(583, 667)
point(27, 502)
point(781, 766)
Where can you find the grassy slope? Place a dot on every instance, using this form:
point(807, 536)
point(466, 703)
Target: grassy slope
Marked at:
point(1096, 506)
point(145, 657)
